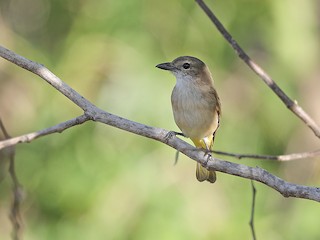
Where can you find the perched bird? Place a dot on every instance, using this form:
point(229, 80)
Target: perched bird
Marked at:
point(195, 104)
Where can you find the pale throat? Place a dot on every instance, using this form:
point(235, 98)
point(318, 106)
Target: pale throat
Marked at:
point(184, 81)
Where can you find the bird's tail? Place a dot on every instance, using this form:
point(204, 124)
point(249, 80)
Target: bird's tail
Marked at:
point(202, 173)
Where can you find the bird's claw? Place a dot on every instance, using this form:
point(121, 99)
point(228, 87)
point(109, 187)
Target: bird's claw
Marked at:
point(172, 134)
point(207, 153)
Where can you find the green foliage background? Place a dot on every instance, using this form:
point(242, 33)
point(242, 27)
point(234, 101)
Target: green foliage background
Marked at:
point(97, 182)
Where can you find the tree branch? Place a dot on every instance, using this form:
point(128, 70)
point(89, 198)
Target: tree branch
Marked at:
point(282, 158)
point(93, 113)
point(54, 129)
point(292, 105)
point(253, 204)
point(15, 215)
point(255, 173)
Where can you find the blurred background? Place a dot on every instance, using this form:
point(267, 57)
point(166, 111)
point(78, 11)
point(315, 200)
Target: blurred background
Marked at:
point(97, 182)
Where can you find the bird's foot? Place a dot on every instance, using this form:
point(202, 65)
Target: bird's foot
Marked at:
point(207, 153)
point(171, 134)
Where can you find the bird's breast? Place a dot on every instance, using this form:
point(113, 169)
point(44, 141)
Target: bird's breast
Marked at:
point(194, 111)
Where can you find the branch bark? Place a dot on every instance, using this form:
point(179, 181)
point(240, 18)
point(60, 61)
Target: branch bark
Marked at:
point(17, 190)
point(59, 128)
point(292, 105)
point(91, 112)
point(281, 158)
point(253, 205)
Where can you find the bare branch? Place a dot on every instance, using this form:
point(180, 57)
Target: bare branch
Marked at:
point(287, 157)
point(251, 223)
point(3, 129)
point(93, 113)
point(15, 215)
point(292, 105)
point(54, 129)
point(255, 173)
point(17, 190)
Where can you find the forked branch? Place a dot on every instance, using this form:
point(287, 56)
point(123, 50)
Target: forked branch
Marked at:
point(91, 112)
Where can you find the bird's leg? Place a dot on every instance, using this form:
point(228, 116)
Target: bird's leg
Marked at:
point(168, 137)
point(207, 151)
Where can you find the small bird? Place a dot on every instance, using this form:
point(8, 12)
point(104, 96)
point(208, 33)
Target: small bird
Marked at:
point(196, 105)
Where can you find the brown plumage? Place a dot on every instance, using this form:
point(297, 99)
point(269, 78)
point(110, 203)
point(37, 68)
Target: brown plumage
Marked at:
point(195, 104)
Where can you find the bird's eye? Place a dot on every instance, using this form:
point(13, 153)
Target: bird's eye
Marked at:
point(186, 65)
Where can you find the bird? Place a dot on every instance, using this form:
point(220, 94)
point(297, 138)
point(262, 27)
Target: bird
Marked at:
point(196, 106)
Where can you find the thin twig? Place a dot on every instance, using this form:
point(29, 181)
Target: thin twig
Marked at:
point(292, 105)
point(54, 129)
point(93, 113)
point(254, 192)
point(176, 158)
point(286, 157)
point(4, 131)
point(15, 215)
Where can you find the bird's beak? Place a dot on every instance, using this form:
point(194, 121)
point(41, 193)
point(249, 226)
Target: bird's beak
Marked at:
point(166, 66)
